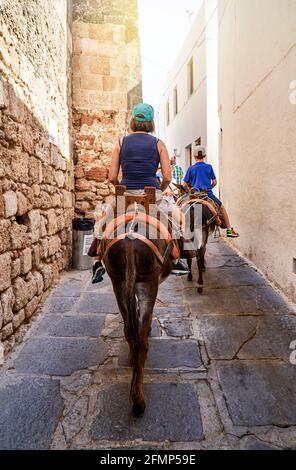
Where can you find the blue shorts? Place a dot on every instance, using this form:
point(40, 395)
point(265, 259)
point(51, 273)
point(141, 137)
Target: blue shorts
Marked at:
point(212, 196)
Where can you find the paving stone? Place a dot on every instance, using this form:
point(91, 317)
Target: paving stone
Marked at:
point(220, 248)
point(171, 283)
point(172, 413)
point(167, 354)
point(60, 356)
point(56, 305)
point(176, 312)
point(259, 394)
point(178, 328)
point(169, 298)
point(224, 335)
point(218, 261)
point(69, 288)
point(105, 286)
point(273, 339)
point(251, 443)
point(30, 412)
point(115, 329)
point(98, 303)
point(232, 277)
point(237, 300)
point(71, 326)
point(75, 419)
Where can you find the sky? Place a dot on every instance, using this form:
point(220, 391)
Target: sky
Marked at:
point(163, 27)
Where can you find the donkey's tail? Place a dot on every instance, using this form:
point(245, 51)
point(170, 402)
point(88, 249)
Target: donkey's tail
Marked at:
point(132, 308)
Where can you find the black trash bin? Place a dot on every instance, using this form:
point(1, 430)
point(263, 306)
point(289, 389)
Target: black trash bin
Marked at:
point(83, 233)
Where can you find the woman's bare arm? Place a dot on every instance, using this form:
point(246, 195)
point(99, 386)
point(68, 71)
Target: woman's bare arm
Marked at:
point(165, 165)
point(115, 165)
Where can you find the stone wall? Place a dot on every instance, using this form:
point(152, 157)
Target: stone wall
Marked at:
point(36, 173)
point(106, 84)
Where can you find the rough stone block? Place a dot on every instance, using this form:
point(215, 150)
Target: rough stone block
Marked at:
point(97, 174)
point(91, 82)
point(67, 199)
point(1, 319)
point(47, 274)
point(26, 261)
point(51, 222)
point(35, 256)
point(10, 203)
point(44, 248)
point(35, 170)
point(109, 83)
point(5, 271)
point(15, 268)
point(22, 206)
point(19, 238)
point(5, 226)
point(18, 319)
point(20, 293)
point(60, 178)
point(3, 94)
point(20, 167)
point(54, 245)
point(7, 331)
point(7, 302)
point(33, 223)
point(31, 307)
point(43, 229)
point(2, 209)
point(31, 286)
point(40, 283)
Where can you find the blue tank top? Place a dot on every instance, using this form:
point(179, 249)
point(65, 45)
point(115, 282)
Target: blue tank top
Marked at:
point(139, 159)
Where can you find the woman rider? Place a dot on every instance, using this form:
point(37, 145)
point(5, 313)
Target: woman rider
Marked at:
point(139, 156)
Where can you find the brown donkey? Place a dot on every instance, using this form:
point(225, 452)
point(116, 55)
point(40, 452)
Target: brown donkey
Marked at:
point(200, 229)
point(136, 266)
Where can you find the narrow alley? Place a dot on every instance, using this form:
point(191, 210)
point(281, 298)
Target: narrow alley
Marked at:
point(218, 374)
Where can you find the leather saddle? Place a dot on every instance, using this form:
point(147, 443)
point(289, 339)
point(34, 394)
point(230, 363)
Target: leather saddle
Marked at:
point(134, 212)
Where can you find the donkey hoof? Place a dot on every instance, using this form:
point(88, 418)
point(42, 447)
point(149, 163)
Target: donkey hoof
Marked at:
point(189, 277)
point(200, 289)
point(139, 410)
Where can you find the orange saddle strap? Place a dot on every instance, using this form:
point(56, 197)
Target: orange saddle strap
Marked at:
point(111, 236)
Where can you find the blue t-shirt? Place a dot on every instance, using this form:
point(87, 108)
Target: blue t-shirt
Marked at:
point(200, 176)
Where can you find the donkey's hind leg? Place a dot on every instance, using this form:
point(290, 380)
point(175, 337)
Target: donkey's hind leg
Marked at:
point(146, 293)
point(189, 263)
point(119, 290)
point(201, 268)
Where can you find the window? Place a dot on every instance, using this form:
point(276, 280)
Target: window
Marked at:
point(188, 154)
point(198, 141)
point(168, 113)
point(175, 101)
point(190, 77)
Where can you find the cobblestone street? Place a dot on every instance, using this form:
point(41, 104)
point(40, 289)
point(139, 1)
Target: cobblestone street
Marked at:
point(218, 374)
